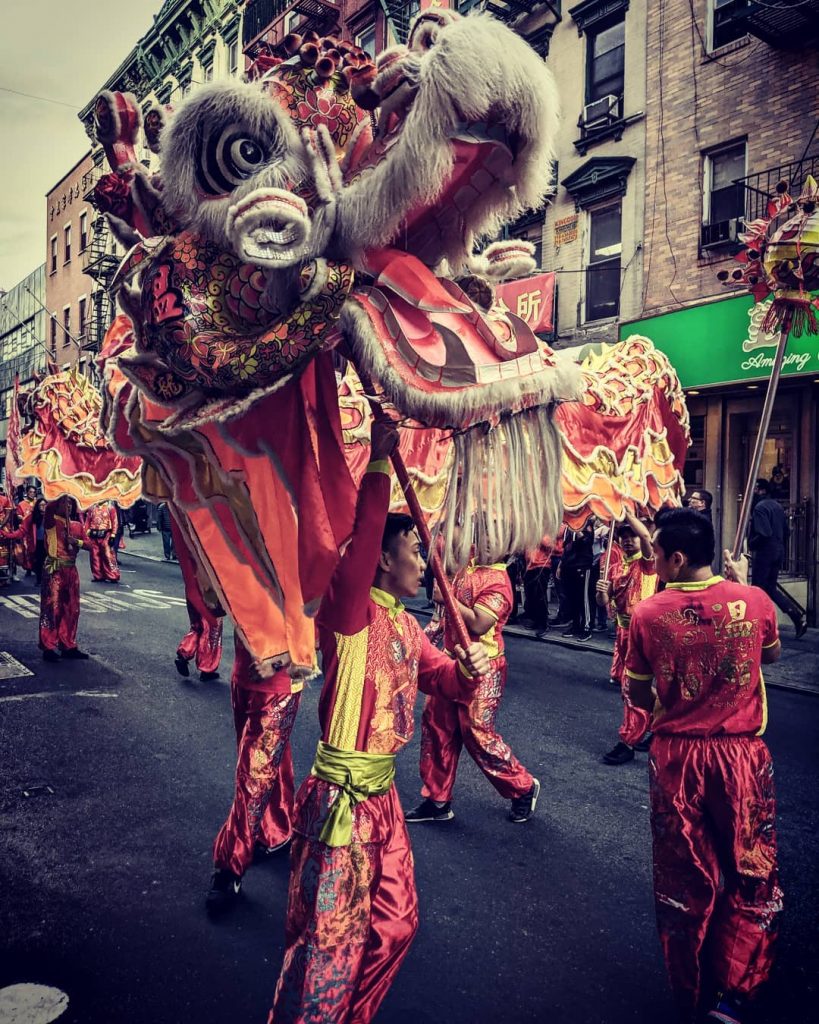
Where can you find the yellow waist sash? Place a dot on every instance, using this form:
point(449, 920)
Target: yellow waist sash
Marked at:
point(359, 776)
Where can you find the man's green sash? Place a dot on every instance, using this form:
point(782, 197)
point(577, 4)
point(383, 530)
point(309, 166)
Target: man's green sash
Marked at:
point(359, 775)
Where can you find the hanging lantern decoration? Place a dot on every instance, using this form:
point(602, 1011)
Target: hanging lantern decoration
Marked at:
point(783, 261)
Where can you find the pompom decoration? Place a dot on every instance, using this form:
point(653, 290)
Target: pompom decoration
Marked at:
point(784, 262)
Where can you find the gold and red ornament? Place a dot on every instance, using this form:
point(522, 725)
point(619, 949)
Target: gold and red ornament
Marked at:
point(783, 261)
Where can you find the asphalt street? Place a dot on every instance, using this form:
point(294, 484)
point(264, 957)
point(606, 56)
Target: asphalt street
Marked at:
point(128, 770)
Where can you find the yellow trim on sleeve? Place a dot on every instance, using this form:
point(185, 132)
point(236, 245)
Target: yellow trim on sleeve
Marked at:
point(352, 669)
point(638, 677)
point(764, 694)
point(483, 608)
point(379, 466)
point(767, 647)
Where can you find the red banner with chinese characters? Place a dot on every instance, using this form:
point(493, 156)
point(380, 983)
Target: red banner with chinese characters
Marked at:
point(532, 299)
point(441, 5)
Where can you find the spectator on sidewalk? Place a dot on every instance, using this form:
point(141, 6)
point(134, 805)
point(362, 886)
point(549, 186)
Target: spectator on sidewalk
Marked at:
point(767, 540)
point(575, 574)
point(163, 524)
point(701, 501)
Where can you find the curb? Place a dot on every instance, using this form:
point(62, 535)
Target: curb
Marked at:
point(146, 558)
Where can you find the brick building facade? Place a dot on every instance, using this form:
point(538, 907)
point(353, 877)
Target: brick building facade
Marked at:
point(68, 292)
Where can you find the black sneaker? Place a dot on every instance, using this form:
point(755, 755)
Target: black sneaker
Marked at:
point(567, 633)
point(801, 627)
point(523, 807)
point(622, 753)
point(428, 810)
point(645, 743)
point(614, 683)
point(76, 654)
point(584, 637)
point(49, 655)
point(206, 677)
point(224, 891)
point(182, 666)
point(728, 1010)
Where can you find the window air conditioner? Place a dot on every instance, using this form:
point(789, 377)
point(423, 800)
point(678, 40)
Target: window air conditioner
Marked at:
point(721, 232)
point(601, 112)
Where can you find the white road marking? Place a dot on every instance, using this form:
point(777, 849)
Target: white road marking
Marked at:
point(17, 697)
point(11, 668)
point(17, 603)
point(31, 1004)
point(98, 602)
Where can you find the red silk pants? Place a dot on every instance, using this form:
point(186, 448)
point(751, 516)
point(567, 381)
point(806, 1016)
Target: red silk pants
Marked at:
point(352, 913)
point(203, 641)
point(262, 808)
point(447, 726)
point(103, 560)
point(716, 887)
point(59, 609)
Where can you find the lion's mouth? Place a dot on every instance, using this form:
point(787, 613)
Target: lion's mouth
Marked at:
point(270, 227)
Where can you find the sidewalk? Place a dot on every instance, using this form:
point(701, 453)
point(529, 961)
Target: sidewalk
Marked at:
point(144, 545)
point(797, 669)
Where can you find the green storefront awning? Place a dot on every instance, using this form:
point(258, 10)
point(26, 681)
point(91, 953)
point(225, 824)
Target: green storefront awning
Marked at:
point(723, 343)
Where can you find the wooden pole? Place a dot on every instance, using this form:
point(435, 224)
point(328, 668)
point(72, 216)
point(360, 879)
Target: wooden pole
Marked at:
point(417, 513)
point(759, 447)
point(609, 546)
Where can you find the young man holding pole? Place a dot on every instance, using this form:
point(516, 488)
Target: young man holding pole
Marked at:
point(703, 641)
point(352, 908)
point(484, 597)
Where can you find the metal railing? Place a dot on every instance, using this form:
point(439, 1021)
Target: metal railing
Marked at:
point(762, 186)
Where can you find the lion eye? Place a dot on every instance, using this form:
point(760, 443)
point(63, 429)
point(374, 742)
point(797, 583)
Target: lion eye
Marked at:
point(228, 157)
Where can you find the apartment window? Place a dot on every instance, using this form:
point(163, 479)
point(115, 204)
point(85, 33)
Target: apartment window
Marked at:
point(67, 244)
point(66, 325)
point(724, 25)
point(723, 199)
point(83, 231)
point(603, 269)
point(233, 57)
point(53, 256)
point(53, 336)
point(207, 71)
point(82, 314)
point(366, 40)
point(605, 62)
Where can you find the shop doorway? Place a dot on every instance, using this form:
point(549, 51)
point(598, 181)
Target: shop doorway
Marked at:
point(780, 467)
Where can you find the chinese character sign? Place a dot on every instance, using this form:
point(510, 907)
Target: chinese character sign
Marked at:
point(532, 299)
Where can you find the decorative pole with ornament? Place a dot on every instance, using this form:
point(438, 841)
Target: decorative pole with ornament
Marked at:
point(779, 260)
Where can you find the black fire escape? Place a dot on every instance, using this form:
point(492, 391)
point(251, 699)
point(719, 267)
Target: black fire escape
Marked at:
point(782, 24)
point(100, 263)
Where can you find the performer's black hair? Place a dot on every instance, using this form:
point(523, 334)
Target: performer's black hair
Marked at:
point(397, 523)
point(687, 531)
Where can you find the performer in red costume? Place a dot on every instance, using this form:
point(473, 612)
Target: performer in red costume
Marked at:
point(260, 818)
point(203, 641)
point(26, 551)
point(60, 594)
point(716, 889)
point(632, 578)
point(484, 596)
point(101, 524)
point(352, 909)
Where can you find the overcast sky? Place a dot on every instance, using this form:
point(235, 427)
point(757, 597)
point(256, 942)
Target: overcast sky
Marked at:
point(60, 50)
